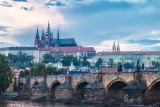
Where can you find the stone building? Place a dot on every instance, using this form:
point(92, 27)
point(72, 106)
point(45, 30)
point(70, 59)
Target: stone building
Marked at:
point(146, 57)
point(32, 51)
point(47, 40)
point(47, 44)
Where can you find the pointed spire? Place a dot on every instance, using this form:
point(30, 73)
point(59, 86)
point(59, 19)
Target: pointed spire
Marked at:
point(48, 26)
point(48, 29)
point(118, 47)
point(114, 47)
point(58, 37)
point(43, 36)
point(36, 42)
point(37, 34)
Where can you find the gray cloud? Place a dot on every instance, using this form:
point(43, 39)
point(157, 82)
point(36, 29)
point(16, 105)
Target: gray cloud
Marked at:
point(5, 3)
point(20, 0)
point(4, 28)
point(56, 3)
point(27, 8)
point(2, 35)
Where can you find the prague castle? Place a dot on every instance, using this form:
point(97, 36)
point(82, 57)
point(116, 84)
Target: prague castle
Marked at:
point(48, 44)
point(47, 40)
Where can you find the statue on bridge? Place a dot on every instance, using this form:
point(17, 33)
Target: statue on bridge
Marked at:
point(120, 69)
point(137, 66)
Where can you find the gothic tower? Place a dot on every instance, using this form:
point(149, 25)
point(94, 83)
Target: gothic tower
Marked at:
point(48, 37)
point(118, 47)
point(37, 40)
point(43, 36)
point(58, 37)
point(114, 47)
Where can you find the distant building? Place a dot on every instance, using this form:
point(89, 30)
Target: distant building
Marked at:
point(47, 40)
point(78, 51)
point(47, 44)
point(146, 57)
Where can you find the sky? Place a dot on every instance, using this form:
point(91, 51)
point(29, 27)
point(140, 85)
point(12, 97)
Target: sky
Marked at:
point(135, 24)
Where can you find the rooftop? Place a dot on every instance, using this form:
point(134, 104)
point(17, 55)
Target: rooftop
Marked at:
point(128, 52)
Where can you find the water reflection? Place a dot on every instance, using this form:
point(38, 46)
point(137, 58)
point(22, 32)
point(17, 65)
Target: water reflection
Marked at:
point(36, 104)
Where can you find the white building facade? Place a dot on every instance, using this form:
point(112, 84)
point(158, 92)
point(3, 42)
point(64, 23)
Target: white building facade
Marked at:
point(146, 57)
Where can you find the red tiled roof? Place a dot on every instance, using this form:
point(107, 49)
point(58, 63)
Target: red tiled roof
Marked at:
point(84, 49)
point(129, 52)
point(104, 70)
point(73, 49)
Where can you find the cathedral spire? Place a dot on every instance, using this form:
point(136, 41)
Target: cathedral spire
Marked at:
point(36, 42)
point(58, 37)
point(37, 34)
point(43, 35)
point(114, 47)
point(48, 29)
point(118, 47)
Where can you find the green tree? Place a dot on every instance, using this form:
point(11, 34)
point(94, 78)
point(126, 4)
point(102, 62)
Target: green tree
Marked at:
point(5, 73)
point(99, 62)
point(48, 58)
point(85, 62)
point(111, 62)
point(128, 66)
point(52, 70)
point(66, 61)
point(27, 72)
point(41, 70)
point(21, 60)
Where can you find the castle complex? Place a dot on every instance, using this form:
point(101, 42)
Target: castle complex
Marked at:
point(47, 40)
point(48, 44)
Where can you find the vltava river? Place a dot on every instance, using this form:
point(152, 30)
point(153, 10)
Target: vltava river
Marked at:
point(36, 104)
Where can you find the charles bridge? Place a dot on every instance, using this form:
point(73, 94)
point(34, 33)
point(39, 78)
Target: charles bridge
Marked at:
point(90, 87)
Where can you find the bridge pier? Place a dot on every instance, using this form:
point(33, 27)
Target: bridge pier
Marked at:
point(94, 92)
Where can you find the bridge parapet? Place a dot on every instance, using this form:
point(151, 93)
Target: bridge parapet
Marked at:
point(53, 78)
point(76, 79)
point(125, 77)
point(150, 77)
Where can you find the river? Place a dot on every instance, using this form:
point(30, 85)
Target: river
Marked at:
point(8, 103)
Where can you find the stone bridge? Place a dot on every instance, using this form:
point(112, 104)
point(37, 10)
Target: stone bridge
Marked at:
point(100, 86)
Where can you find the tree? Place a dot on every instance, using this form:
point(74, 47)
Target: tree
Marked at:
point(5, 73)
point(111, 62)
point(48, 58)
point(99, 62)
point(66, 61)
point(128, 66)
point(40, 70)
point(85, 62)
point(21, 60)
point(52, 70)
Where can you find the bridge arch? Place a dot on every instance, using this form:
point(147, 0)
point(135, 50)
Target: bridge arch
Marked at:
point(53, 88)
point(114, 90)
point(152, 93)
point(79, 90)
point(34, 83)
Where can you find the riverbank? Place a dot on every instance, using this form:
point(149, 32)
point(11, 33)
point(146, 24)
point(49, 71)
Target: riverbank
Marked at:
point(7, 100)
point(9, 103)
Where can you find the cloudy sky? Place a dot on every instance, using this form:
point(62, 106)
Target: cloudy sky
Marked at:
point(134, 23)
